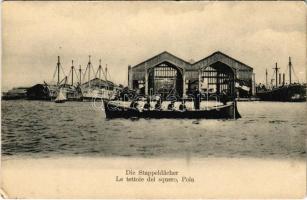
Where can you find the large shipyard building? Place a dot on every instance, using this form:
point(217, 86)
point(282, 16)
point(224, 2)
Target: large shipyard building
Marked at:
point(167, 74)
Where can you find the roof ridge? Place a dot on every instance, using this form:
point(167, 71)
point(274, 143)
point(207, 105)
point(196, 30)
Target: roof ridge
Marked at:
point(194, 63)
point(163, 52)
point(219, 52)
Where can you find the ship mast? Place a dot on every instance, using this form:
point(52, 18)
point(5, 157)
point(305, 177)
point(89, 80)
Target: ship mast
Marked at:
point(72, 72)
point(266, 78)
point(290, 68)
point(89, 70)
point(106, 71)
point(99, 73)
point(58, 69)
point(99, 69)
point(276, 73)
point(80, 73)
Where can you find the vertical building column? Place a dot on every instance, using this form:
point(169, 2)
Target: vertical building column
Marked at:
point(199, 79)
point(236, 77)
point(130, 78)
point(218, 88)
point(146, 80)
point(184, 85)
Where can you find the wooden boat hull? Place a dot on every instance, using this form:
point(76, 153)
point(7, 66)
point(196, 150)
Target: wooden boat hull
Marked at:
point(220, 112)
point(59, 101)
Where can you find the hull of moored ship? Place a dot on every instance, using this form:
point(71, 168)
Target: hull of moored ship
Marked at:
point(287, 93)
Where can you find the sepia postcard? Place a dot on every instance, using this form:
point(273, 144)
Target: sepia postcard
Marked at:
point(153, 99)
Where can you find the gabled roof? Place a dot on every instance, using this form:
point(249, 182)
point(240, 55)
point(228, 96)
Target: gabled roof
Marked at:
point(188, 65)
point(220, 53)
point(163, 54)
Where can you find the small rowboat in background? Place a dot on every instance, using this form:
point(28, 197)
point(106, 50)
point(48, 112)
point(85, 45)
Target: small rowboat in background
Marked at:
point(61, 97)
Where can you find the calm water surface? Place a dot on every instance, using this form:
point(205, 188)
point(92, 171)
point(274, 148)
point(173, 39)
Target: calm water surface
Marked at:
point(46, 129)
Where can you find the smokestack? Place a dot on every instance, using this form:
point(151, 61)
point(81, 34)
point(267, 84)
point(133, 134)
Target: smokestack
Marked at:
point(290, 65)
point(283, 78)
point(279, 78)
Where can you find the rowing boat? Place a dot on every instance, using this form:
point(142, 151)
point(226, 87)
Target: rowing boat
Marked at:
point(115, 109)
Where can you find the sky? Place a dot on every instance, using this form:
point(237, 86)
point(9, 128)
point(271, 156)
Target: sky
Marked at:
point(127, 33)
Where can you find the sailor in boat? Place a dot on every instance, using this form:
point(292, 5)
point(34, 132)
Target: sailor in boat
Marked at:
point(158, 105)
point(147, 104)
point(171, 106)
point(134, 104)
point(197, 98)
point(182, 106)
point(223, 97)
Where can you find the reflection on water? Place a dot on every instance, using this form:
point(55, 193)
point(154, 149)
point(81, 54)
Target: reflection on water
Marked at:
point(266, 129)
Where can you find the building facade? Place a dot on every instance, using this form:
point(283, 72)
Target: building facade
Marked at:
point(166, 74)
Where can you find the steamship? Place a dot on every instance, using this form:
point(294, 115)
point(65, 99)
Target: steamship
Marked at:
point(282, 91)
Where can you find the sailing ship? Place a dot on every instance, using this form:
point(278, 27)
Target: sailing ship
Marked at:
point(70, 85)
point(97, 88)
point(49, 91)
point(61, 98)
point(281, 91)
point(73, 86)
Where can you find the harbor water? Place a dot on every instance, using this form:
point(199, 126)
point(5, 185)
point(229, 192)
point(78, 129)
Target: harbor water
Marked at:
point(46, 129)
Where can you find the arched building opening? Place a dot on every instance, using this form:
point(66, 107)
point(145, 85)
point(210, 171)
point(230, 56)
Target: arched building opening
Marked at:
point(166, 80)
point(216, 80)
